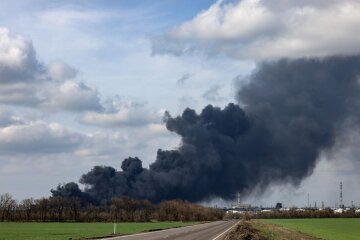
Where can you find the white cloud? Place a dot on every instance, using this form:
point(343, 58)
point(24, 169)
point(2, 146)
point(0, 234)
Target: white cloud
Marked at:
point(20, 71)
point(22, 94)
point(122, 113)
point(60, 71)
point(72, 96)
point(229, 22)
point(37, 138)
point(259, 29)
point(16, 56)
point(26, 82)
point(116, 145)
point(7, 118)
point(19, 137)
point(109, 144)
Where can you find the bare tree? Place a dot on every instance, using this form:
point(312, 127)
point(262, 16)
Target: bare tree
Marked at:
point(74, 206)
point(57, 205)
point(27, 205)
point(5, 204)
point(43, 206)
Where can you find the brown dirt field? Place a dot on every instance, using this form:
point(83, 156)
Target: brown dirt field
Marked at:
point(257, 230)
point(245, 231)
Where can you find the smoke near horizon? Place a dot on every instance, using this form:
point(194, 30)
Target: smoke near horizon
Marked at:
point(286, 115)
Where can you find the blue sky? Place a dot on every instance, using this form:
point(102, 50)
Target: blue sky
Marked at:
point(116, 66)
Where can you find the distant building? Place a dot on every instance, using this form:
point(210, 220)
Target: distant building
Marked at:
point(279, 205)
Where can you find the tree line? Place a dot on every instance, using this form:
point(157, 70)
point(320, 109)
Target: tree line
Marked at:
point(119, 209)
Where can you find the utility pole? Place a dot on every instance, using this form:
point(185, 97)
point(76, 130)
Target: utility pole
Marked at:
point(308, 198)
point(341, 196)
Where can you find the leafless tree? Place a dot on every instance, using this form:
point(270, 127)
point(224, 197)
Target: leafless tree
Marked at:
point(6, 203)
point(27, 205)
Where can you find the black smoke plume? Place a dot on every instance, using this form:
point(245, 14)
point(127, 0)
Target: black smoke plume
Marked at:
point(291, 111)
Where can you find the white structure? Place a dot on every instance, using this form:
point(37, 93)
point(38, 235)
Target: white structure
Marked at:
point(339, 210)
point(266, 210)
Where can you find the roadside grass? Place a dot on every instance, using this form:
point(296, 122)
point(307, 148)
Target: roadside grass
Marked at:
point(277, 232)
point(66, 231)
point(322, 228)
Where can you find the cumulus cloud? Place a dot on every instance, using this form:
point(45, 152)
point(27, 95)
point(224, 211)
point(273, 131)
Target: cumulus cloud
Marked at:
point(18, 62)
point(7, 118)
point(72, 96)
point(21, 94)
point(121, 113)
point(259, 29)
point(19, 136)
point(20, 71)
point(109, 144)
point(60, 71)
point(221, 22)
point(38, 137)
point(25, 81)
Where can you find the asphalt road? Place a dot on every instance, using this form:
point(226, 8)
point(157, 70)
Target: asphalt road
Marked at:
point(206, 231)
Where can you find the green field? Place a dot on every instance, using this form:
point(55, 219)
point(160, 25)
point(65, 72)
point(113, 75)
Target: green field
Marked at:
point(55, 231)
point(325, 228)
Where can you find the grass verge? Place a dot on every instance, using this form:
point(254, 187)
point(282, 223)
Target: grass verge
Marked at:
point(66, 231)
point(276, 232)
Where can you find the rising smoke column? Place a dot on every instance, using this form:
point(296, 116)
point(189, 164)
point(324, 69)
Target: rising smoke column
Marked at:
point(291, 111)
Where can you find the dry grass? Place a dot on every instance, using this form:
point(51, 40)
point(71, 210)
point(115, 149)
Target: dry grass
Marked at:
point(245, 231)
point(258, 230)
point(276, 232)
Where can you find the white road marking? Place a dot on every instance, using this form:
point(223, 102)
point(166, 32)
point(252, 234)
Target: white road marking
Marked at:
point(225, 231)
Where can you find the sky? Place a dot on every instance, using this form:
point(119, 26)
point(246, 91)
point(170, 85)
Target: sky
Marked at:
point(86, 83)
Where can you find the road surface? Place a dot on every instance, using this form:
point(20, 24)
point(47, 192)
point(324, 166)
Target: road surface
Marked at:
point(207, 231)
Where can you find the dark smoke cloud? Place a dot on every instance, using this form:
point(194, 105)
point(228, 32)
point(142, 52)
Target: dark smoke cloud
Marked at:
point(72, 190)
point(292, 110)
